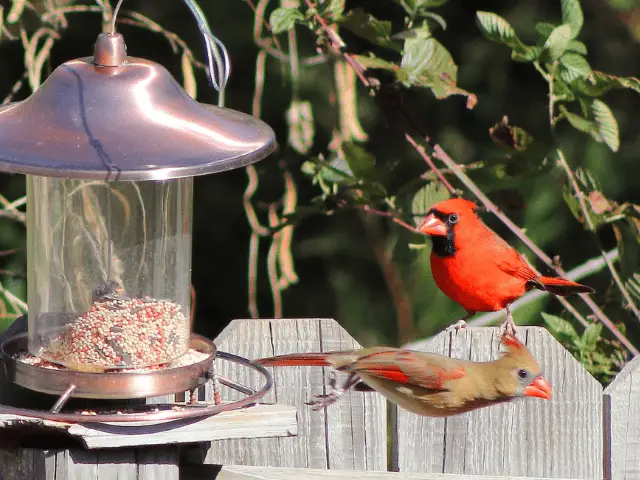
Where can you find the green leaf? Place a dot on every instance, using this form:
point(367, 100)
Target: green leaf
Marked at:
point(600, 83)
point(371, 61)
point(427, 63)
point(366, 26)
point(577, 47)
point(301, 128)
point(361, 162)
point(607, 126)
point(415, 8)
point(627, 234)
point(560, 327)
point(544, 29)
point(600, 124)
point(425, 198)
point(573, 66)
point(590, 336)
point(497, 29)
point(578, 122)
point(572, 16)
point(334, 9)
point(558, 41)
point(284, 19)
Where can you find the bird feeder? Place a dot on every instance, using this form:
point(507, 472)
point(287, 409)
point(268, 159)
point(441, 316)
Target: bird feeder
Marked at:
point(110, 145)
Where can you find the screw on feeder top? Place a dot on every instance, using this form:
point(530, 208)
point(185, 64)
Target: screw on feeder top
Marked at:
point(110, 50)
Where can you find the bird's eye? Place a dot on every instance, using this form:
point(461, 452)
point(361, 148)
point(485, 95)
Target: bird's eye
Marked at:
point(453, 218)
point(522, 373)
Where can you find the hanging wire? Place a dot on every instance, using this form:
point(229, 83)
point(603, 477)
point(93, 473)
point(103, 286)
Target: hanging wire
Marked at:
point(218, 64)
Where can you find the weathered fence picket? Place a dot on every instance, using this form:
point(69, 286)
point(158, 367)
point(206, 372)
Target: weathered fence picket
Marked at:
point(622, 424)
point(582, 433)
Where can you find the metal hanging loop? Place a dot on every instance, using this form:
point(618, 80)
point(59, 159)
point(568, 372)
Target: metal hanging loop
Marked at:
point(218, 61)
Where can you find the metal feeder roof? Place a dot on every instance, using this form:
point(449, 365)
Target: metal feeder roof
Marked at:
point(110, 117)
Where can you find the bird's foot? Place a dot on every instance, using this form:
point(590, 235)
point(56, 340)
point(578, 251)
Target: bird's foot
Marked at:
point(460, 324)
point(509, 325)
point(322, 401)
point(335, 391)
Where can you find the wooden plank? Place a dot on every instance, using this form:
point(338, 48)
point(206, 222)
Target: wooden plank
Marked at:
point(357, 419)
point(325, 438)
point(158, 463)
point(216, 472)
point(622, 424)
point(559, 438)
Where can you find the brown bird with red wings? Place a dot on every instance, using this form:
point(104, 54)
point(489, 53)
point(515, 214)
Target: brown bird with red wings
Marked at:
point(430, 384)
point(476, 268)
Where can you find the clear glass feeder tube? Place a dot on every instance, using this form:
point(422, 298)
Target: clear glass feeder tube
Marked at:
point(109, 269)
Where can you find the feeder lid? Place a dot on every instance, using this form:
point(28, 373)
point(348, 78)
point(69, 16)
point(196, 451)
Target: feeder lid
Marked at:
point(110, 117)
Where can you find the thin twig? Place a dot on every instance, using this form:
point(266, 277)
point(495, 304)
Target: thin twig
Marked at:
point(272, 263)
point(421, 151)
point(562, 161)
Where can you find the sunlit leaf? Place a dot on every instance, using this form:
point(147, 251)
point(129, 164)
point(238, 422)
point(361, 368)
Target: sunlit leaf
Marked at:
point(334, 9)
point(497, 29)
point(577, 47)
point(558, 41)
point(284, 19)
point(374, 62)
point(560, 327)
point(607, 126)
point(600, 83)
point(590, 336)
point(573, 66)
point(572, 16)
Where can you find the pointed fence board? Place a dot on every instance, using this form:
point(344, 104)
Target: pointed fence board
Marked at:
point(622, 424)
point(349, 435)
point(561, 438)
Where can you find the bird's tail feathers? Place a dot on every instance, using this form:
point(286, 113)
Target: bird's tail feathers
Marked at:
point(559, 286)
point(296, 360)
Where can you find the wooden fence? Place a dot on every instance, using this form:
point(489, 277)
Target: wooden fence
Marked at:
point(582, 433)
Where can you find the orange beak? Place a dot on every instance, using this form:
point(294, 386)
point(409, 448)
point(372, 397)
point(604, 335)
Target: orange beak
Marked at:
point(433, 226)
point(538, 388)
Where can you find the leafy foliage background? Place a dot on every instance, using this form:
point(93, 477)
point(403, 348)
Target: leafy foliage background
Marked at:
point(351, 264)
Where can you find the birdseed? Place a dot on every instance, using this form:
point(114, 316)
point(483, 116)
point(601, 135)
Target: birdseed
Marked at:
point(121, 333)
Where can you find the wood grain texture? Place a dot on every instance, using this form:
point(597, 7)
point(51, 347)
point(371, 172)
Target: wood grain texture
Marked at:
point(349, 435)
point(215, 472)
point(622, 424)
point(251, 422)
point(561, 438)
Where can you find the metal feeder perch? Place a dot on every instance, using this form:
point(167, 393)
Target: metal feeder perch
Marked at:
point(110, 145)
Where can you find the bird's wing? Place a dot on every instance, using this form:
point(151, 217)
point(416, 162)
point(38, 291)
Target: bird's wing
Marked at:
point(426, 370)
point(510, 261)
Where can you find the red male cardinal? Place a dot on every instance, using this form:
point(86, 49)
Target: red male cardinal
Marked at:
point(476, 268)
point(430, 384)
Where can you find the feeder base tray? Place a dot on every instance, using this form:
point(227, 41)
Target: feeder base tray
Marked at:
point(106, 385)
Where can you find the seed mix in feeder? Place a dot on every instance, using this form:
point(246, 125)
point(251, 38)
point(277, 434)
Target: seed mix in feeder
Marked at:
point(120, 332)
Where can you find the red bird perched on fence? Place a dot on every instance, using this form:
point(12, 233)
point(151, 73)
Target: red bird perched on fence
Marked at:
point(426, 383)
point(476, 268)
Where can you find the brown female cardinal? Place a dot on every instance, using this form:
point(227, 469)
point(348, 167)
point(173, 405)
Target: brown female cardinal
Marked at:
point(476, 268)
point(426, 383)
